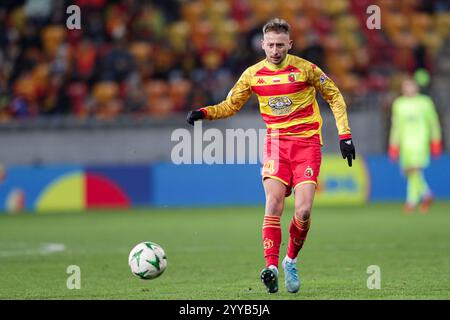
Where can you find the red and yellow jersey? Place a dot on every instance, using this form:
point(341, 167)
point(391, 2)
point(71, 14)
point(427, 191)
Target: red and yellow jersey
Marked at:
point(287, 98)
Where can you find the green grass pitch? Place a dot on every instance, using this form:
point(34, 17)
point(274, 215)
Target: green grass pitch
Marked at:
point(217, 254)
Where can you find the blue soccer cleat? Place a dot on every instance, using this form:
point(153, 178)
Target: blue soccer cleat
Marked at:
point(291, 279)
point(269, 276)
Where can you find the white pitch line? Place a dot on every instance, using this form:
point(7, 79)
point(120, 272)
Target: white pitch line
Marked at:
point(49, 248)
point(43, 249)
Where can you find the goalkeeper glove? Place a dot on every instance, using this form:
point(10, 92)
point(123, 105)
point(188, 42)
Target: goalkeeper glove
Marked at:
point(195, 115)
point(436, 148)
point(347, 150)
point(393, 152)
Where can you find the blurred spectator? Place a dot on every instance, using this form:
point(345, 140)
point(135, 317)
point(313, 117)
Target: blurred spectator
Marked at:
point(117, 63)
point(313, 50)
point(38, 11)
point(56, 100)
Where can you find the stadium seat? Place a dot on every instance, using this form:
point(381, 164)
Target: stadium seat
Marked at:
point(178, 33)
point(141, 51)
point(52, 37)
point(335, 7)
point(25, 87)
point(178, 92)
point(105, 91)
point(442, 22)
point(218, 10)
point(161, 107)
point(226, 35)
point(192, 12)
point(264, 10)
point(202, 36)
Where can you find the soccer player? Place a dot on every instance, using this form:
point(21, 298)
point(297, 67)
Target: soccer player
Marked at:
point(414, 131)
point(286, 88)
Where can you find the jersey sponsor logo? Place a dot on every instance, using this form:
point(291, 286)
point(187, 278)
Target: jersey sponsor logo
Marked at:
point(280, 105)
point(323, 78)
point(268, 243)
point(276, 80)
point(309, 172)
point(260, 81)
point(292, 77)
point(304, 112)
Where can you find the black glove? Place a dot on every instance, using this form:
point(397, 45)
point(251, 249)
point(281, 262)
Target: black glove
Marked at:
point(194, 115)
point(347, 150)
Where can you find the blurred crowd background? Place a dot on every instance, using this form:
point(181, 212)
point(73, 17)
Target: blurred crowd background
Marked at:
point(159, 58)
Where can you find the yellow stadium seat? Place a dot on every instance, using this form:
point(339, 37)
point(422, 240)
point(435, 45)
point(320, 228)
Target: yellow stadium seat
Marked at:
point(226, 35)
point(161, 107)
point(349, 82)
point(52, 36)
point(17, 18)
point(178, 34)
point(140, 50)
point(25, 87)
point(218, 10)
point(300, 26)
point(433, 41)
point(40, 74)
point(179, 91)
point(202, 35)
point(349, 40)
point(347, 23)
point(193, 12)
point(442, 22)
point(420, 23)
point(331, 43)
point(388, 5)
point(105, 91)
point(264, 10)
point(334, 7)
point(109, 110)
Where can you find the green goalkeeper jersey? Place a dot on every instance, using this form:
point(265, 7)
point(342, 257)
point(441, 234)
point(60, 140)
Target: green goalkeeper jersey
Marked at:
point(414, 125)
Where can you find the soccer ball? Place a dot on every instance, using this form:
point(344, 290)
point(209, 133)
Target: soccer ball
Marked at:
point(147, 260)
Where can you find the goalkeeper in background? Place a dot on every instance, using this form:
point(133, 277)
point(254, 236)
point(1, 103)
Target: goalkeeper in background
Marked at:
point(415, 132)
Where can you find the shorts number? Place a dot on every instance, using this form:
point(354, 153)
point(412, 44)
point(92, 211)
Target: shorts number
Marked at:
point(269, 167)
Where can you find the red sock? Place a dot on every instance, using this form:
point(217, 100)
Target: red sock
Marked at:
point(271, 233)
point(298, 229)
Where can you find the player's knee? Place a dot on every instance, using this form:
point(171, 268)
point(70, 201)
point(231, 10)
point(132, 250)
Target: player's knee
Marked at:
point(302, 213)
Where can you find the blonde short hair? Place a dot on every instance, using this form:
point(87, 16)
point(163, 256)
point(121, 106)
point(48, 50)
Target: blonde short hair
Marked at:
point(277, 25)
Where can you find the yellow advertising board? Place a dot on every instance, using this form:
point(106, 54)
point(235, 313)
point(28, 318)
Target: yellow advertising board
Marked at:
point(339, 183)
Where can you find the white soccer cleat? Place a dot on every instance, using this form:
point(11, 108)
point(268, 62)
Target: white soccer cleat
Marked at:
point(291, 279)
